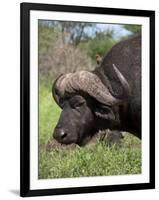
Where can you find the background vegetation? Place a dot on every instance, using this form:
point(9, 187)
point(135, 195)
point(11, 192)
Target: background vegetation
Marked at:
point(69, 47)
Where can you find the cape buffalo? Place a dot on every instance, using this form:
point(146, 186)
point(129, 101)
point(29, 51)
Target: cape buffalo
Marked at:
point(107, 98)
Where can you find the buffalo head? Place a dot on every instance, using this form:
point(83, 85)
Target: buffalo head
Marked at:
point(86, 102)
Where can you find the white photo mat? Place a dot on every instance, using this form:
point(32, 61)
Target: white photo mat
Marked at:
point(36, 183)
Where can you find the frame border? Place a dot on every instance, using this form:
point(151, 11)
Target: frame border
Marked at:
point(25, 9)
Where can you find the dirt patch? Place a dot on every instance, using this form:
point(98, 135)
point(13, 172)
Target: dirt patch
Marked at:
point(53, 145)
point(110, 137)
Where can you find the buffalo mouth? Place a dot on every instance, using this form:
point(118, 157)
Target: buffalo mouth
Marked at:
point(67, 139)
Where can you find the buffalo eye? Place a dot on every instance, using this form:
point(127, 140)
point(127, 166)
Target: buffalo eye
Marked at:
point(77, 101)
point(105, 112)
point(78, 104)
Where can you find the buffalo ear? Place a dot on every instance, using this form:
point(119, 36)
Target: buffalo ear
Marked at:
point(105, 112)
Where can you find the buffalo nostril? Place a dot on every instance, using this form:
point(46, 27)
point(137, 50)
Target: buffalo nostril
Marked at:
point(59, 134)
point(63, 134)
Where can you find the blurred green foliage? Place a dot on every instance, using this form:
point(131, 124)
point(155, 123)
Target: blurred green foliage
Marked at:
point(100, 44)
point(74, 45)
point(133, 28)
point(47, 36)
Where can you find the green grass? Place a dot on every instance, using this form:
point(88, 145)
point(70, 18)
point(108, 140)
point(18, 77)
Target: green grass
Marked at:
point(49, 113)
point(95, 159)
